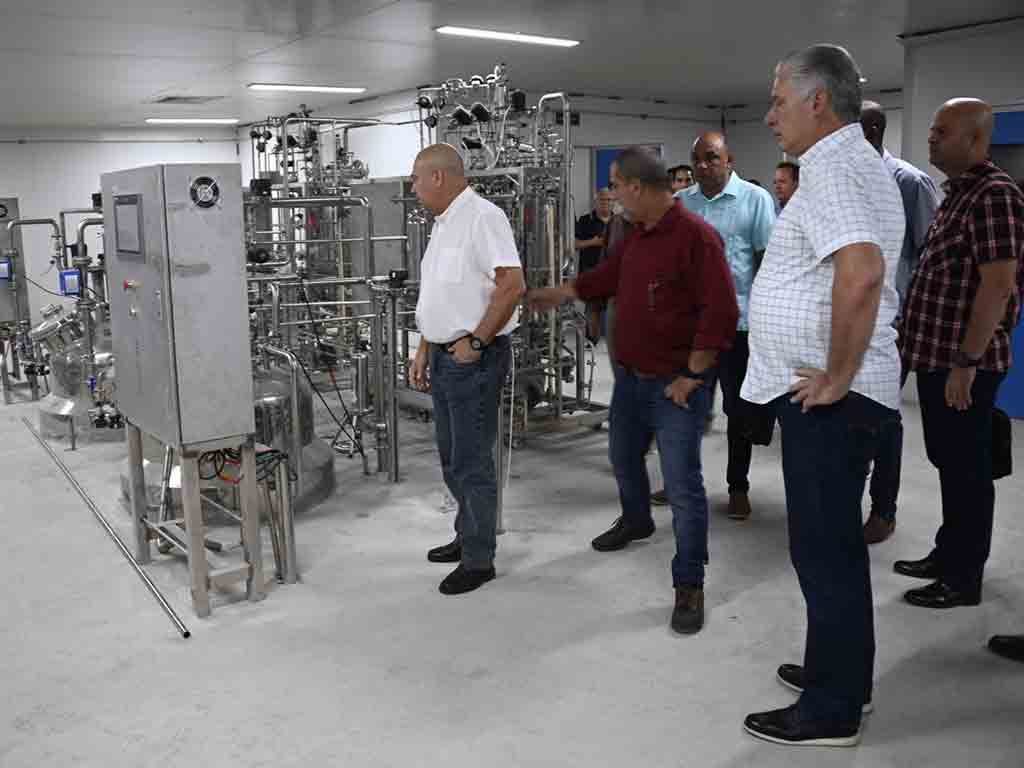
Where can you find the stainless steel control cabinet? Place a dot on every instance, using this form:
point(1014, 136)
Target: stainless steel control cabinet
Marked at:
point(178, 305)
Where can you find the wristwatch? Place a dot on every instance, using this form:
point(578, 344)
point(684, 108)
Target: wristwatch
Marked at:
point(476, 344)
point(962, 360)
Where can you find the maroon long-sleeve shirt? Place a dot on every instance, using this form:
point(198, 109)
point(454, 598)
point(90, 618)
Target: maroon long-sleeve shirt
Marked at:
point(673, 293)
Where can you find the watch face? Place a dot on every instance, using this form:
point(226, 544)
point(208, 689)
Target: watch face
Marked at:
point(476, 344)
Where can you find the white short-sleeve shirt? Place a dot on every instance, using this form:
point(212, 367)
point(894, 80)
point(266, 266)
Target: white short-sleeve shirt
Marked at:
point(469, 241)
point(846, 196)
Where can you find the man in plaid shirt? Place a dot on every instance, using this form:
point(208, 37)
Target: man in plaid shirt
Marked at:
point(963, 304)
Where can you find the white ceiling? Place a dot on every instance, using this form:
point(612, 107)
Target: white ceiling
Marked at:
point(102, 63)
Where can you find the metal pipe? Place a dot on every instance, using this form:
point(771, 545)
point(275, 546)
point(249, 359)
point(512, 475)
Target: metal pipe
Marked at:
point(376, 239)
point(393, 394)
point(62, 216)
point(153, 590)
point(343, 201)
point(293, 381)
point(291, 563)
point(58, 250)
point(275, 310)
point(326, 321)
point(377, 344)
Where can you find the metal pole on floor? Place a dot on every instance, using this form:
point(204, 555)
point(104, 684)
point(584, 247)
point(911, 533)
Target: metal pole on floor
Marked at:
point(112, 533)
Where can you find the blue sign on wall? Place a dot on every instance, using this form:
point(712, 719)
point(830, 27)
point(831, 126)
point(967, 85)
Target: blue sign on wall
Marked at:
point(605, 156)
point(1009, 128)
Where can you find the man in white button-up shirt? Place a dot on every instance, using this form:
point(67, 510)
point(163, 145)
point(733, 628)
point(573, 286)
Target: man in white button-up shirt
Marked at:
point(823, 353)
point(471, 281)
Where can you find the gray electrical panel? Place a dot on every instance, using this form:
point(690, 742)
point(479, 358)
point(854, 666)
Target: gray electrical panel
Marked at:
point(178, 300)
point(13, 285)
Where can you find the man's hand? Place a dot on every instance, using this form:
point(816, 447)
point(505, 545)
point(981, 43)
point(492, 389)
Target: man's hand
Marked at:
point(817, 388)
point(541, 299)
point(463, 353)
point(680, 389)
point(419, 373)
point(958, 387)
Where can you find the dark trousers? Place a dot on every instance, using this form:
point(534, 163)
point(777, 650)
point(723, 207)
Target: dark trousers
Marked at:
point(959, 445)
point(466, 398)
point(732, 370)
point(825, 455)
point(639, 412)
point(885, 474)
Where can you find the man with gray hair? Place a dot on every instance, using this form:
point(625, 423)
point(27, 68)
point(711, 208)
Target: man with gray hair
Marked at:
point(677, 311)
point(823, 352)
point(920, 201)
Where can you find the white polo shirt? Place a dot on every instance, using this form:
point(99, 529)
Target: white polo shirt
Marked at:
point(846, 196)
point(469, 241)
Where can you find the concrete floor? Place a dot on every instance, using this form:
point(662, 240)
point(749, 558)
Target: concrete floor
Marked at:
point(565, 660)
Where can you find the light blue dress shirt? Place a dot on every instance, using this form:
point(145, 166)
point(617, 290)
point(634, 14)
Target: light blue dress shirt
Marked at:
point(920, 202)
point(744, 215)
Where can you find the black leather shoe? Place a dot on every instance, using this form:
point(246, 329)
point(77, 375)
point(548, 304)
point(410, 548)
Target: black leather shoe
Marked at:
point(618, 536)
point(940, 595)
point(925, 568)
point(688, 614)
point(446, 553)
point(1008, 646)
point(785, 726)
point(792, 676)
point(464, 580)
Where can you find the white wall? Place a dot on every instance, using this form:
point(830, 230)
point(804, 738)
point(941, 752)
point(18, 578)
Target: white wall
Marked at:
point(53, 170)
point(985, 63)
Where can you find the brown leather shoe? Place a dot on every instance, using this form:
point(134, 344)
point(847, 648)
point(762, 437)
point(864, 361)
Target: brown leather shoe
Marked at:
point(876, 529)
point(688, 615)
point(739, 506)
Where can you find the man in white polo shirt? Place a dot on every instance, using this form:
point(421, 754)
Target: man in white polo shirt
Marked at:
point(823, 351)
point(471, 281)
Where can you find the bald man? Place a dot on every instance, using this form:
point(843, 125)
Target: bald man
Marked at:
point(920, 201)
point(963, 304)
point(744, 215)
point(471, 281)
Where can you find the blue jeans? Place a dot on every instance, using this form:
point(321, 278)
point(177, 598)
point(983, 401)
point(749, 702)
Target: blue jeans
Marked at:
point(825, 456)
point(466, 398)
point(639, 411)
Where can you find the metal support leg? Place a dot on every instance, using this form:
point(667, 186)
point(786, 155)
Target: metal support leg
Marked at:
point(195, 532)
point(5, 376)
point(138, 493)
point(291, 563)
point(254, 585)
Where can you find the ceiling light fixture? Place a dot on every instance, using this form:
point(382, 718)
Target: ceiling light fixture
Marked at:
point(512, 37)
point(192, 120)
point(305, 88)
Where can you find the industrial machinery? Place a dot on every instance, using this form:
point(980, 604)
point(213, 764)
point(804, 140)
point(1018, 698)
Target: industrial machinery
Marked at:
point(178, 315)
point(16, 354)
point(520, 158)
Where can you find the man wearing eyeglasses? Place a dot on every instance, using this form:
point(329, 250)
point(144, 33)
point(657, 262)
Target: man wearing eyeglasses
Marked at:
point(744, 215)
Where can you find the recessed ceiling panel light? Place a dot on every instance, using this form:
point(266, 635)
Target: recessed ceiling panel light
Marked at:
point(192, 120)
point(305, 88)
point(512, 37)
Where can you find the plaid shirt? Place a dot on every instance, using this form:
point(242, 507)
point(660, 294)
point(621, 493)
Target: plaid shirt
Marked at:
point(980, 221)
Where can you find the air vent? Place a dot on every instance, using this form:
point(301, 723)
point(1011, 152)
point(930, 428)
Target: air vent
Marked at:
point(187, 100)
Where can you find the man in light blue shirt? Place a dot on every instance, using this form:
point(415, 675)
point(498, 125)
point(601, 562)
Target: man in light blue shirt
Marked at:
point(744, 215)
point(920, 202)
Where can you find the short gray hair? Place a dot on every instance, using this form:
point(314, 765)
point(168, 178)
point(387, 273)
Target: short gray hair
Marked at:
point(641, 164)
point(831, 68)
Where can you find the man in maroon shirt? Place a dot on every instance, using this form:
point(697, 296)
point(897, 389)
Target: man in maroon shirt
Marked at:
point(676, 310)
